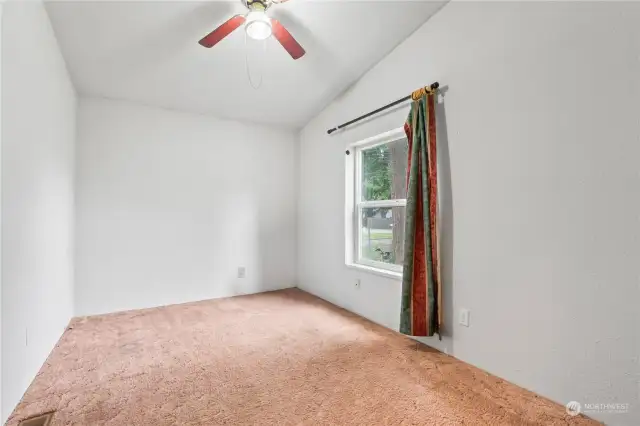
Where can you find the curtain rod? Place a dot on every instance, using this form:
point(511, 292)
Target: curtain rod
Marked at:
point(369, 114)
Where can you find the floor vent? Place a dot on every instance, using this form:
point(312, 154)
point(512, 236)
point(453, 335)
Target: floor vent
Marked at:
point(41, 420)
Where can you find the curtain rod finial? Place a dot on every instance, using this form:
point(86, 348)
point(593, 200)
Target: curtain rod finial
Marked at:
point(331, 130)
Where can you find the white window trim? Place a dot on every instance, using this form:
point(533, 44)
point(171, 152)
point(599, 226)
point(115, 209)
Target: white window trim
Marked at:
point(352, 207)
point(376, 271)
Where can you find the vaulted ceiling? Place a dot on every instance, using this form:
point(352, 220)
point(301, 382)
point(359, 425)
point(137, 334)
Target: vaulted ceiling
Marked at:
point(148, 52)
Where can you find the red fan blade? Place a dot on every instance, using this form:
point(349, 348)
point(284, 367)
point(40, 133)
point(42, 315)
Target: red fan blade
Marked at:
point(286, 40)
point(222, 31)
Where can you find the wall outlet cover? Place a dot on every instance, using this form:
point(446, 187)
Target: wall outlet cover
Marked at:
point(463, 318)
point(242, 272)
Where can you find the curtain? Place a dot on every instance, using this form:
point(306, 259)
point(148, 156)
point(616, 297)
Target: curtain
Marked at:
point(421, 313)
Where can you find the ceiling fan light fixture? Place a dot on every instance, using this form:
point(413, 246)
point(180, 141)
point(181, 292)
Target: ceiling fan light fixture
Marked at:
point(258, 25)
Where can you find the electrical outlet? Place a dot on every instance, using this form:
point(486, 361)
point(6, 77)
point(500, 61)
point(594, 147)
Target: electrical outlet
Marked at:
point(358, 283)
point(242, 272)
point(464, 317)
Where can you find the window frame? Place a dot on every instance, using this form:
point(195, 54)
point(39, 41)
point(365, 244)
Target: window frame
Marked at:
point(355, 204)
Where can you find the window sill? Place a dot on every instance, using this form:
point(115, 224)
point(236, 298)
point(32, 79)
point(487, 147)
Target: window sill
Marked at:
point(376, 271)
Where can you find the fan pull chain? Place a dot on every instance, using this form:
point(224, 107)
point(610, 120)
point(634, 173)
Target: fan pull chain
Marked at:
point(246, 61)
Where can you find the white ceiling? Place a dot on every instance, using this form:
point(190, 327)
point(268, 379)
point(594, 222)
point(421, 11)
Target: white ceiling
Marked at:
point(148, 52)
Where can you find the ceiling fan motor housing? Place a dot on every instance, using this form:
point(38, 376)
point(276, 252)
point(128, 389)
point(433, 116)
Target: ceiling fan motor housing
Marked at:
point(258, 5)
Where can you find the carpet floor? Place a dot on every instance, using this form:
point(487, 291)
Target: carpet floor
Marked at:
point(284, 357)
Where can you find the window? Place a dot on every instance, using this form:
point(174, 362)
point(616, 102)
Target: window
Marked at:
point(379, 200)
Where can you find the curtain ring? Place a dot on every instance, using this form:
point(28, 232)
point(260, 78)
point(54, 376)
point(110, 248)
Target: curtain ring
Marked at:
point(416, 95)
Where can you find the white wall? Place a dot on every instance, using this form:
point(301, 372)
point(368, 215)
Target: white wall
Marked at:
point(2, 418)
point(170, 204)
point(38, 131)
point(539, 147)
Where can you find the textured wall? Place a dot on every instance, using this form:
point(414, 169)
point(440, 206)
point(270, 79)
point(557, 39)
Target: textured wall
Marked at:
point(538, 160)
point(38, 133)
point(170, 205)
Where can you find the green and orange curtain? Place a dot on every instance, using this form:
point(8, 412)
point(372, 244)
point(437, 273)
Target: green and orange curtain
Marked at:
point(421, 313)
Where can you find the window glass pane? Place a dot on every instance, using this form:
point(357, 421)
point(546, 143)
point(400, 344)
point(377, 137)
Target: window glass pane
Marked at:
point(384, 171)
point(382, 234)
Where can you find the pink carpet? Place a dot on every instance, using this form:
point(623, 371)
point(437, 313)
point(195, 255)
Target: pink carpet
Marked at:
point(283, 357)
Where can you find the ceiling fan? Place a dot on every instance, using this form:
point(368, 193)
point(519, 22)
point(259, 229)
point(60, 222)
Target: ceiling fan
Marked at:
point(258, 26)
